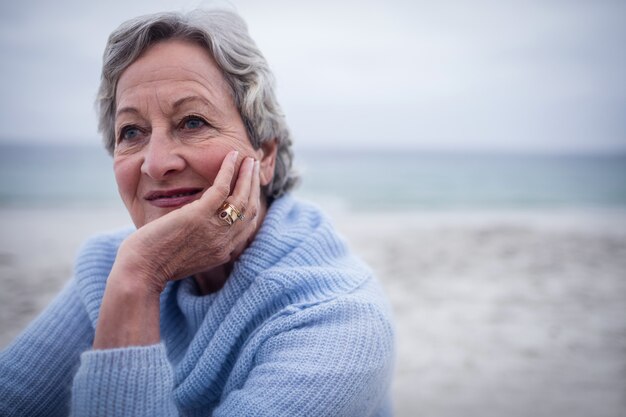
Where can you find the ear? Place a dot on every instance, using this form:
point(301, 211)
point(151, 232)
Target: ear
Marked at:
point(267, 159)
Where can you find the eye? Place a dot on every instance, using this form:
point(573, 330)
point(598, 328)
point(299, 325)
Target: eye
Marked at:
point(193, 122)
point(129, 133)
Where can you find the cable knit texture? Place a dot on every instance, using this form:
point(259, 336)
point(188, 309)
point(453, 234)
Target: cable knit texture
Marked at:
point(301, 328)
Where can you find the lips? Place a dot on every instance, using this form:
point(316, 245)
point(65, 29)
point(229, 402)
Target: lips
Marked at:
point(174, 197)
point(178, 192)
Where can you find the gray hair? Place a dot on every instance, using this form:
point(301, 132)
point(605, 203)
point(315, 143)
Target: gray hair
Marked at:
point(225, 36)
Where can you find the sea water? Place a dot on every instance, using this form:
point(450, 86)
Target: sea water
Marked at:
point(73, 175)
point(466, 180)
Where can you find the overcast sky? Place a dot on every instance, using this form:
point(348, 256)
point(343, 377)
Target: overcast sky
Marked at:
point(525, 75)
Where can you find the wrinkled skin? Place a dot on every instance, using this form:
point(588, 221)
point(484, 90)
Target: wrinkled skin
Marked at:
point(181, 151)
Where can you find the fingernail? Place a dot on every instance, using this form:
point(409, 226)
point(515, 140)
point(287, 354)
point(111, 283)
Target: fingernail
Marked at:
point(234, 155)
point(257, 166)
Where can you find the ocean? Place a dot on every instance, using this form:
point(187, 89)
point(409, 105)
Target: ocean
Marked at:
point(364, 180)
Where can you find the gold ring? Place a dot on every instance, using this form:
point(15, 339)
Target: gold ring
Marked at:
point(229, 213)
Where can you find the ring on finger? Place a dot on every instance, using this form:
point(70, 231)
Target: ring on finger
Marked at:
point(229, 213)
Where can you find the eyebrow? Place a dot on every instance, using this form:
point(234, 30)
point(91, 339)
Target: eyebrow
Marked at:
point(126, 110)
point(177, 104)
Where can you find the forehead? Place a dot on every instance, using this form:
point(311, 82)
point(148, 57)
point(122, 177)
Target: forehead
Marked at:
point(173, 66)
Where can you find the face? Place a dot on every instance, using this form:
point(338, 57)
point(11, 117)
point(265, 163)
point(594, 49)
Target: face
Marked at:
point(175, 122)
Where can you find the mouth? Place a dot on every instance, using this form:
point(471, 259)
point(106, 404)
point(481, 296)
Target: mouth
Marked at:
point(179, 192)
point(174, 197)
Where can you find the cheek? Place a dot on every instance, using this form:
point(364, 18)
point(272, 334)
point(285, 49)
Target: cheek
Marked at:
point(127, 176)
point(207, 164)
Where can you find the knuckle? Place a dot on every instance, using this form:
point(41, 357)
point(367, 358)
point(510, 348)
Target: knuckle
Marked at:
point(253, 213)
point(222, 255)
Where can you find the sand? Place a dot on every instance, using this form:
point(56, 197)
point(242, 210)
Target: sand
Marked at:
point(497, 314)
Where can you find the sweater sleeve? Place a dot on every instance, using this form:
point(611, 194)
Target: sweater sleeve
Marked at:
point(133, 381)
point(37, 368)
point(333, 359)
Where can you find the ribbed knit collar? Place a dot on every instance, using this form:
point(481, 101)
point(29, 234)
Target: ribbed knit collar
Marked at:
point(193, 305)
point(296, 259)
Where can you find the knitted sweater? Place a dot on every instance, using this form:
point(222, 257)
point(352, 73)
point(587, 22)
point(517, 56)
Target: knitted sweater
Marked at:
point(301, 328)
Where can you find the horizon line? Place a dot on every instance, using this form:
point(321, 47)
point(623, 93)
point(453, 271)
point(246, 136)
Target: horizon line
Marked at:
point(362, 149)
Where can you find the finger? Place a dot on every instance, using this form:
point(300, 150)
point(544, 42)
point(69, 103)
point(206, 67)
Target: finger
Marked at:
point(239, 197)
point(254, 198)
point(245, 233)
point(220, 189)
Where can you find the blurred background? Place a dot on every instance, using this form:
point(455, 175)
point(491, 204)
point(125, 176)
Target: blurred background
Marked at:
point(474, 153)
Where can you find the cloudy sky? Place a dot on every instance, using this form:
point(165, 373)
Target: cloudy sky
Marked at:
point(482, 75)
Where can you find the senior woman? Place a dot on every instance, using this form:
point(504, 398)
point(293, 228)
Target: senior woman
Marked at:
point(229, 297)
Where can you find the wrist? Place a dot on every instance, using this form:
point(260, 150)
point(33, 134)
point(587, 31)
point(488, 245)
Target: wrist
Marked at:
point(132, 273)
point(129, 313)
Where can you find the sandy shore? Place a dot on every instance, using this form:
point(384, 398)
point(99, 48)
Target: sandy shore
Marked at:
point(497, 314)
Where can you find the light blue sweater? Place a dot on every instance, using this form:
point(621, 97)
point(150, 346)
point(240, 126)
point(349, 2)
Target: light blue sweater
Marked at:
point(301, 328)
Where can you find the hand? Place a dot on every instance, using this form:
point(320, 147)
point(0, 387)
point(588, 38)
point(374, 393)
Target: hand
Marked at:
point(181, 243)
point(193, 238)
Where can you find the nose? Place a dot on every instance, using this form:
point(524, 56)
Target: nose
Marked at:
point(162, 156)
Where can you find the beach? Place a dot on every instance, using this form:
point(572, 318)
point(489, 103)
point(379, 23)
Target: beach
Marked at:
point(513, 313)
